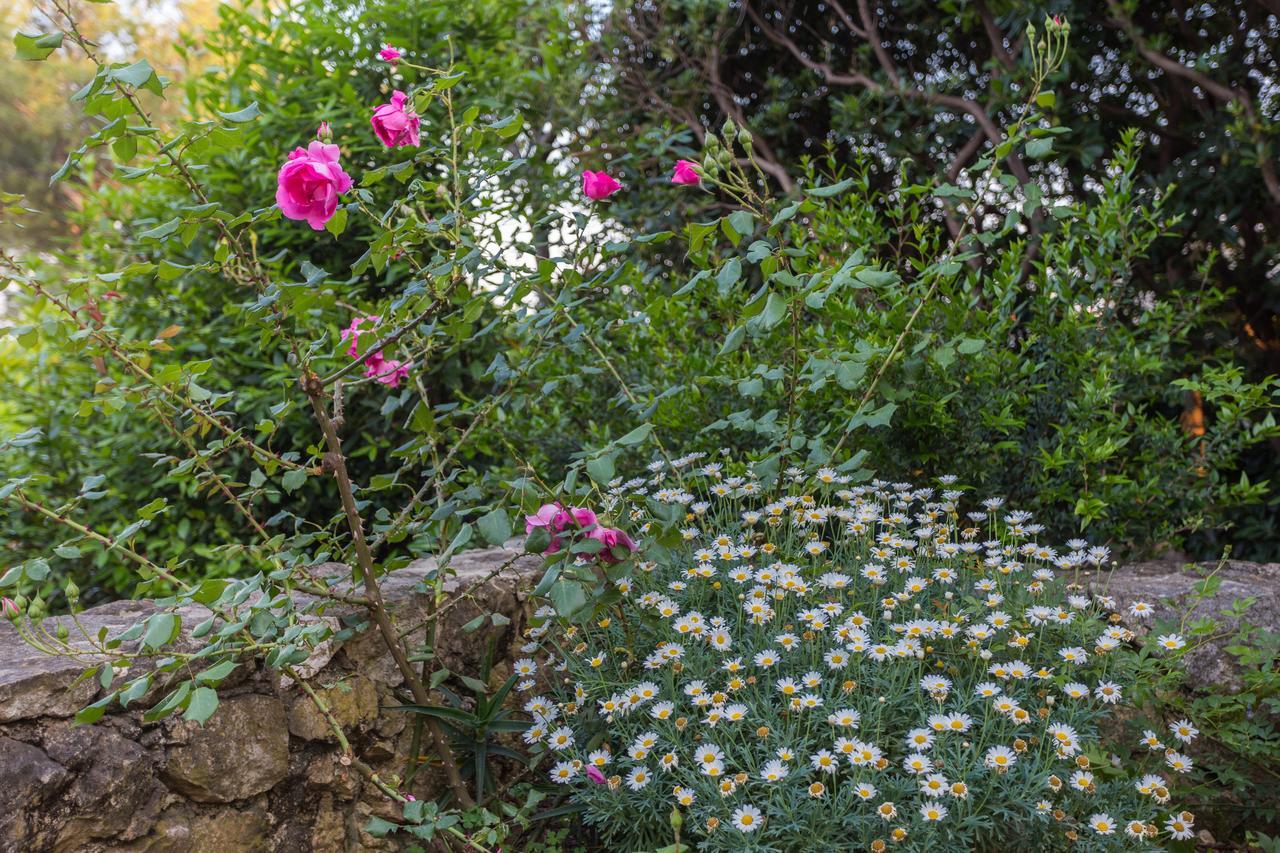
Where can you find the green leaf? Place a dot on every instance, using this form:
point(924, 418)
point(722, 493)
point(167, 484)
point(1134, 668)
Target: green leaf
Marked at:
point(758, 251)
point(969, 346)
point(293, 479)
point(1038, 149)
point(249, 113)
point(775, 308)
point(93, 713)
point(495, 526)
point(204, 701)
point(732, 341)
point(135, 75)
point(877, 278)
point(161, 231)
point(37, 569)
point(786, 213)
point(379, 828)
point(829, 191)
point(729, 275)
point(447, 81)
point(877, 418)
point(1046, 100)
point(538, 541)
point(742, 223)
point(168, 270)
point(217, 672)
point(162, 628)
point(135, 691)
point(337, 223)
point(35, 48)
point(549, 577)
point(849, 374)
point(600, 469)
point(636, 436)
point(568, 597)
point(125, 148)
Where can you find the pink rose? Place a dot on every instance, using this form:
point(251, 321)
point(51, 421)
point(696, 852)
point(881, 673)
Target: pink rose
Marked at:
point(555, 518)
point(9, 608)
point(594, 774)
point(389, 54)
point(388, 371)
point(685, 174)
point(611, 539)
point(324, 133)
point(598, 185)
point(548, 516)
point(353, 332)
point(310, 182)
point(585, 518)
point(395, 125)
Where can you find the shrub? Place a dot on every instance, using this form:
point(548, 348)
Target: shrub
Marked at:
point(826, 666)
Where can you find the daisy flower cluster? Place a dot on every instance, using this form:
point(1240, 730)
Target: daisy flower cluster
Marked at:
point(810, 664)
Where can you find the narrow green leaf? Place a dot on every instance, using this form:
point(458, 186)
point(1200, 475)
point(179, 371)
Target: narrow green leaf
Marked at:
point(829, 191)
point(249, 113)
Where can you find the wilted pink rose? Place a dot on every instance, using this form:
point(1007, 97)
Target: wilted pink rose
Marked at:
point(598, 185)
point(394, 125)
point(585, 518)
point(548, 516)
point(309, 184)
point(594, 774)
point(685, 174)
point(611, 539)
point(353, 332)
point(9, 608)
point(389, 54)
point(388, 371)
point(555, 518)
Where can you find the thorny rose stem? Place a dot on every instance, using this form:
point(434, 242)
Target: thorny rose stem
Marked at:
point(335, 462)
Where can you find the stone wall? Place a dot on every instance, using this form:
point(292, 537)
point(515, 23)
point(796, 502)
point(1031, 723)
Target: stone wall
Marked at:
point(264, 773)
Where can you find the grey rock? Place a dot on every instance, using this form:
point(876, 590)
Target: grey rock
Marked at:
point(352, 701)
point(32, 782)
point(241, 751)
point(1170, 588)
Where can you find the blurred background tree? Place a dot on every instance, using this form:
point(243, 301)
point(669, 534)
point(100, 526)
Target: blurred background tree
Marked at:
point(41, 124)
